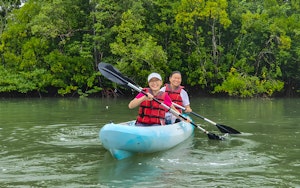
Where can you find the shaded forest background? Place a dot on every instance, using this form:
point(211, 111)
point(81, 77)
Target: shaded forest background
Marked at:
point(239, 48)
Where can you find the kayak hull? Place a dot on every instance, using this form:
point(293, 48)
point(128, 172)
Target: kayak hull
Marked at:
point(125, 139)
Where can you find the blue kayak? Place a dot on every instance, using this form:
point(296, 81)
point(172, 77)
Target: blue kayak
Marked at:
point(125, 139)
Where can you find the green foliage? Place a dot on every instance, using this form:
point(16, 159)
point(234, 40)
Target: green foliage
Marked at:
point(241, 48)
point(24, 82)
point(237, 84)
point(140, 54)
point(70, 73)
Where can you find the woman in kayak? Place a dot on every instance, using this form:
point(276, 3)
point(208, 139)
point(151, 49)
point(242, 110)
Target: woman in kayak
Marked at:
point(150, 111)
point(177, 94)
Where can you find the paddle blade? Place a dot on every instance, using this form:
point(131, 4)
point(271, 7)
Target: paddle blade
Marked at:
point(226, 129)
point(113, 74)
point(214, 136)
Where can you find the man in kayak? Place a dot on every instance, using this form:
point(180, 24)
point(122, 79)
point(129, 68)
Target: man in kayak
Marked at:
point(177, 94)
point(151, 112)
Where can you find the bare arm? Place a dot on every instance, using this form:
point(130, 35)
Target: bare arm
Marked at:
point(177, 114)
point(185, 101)
point(188, 109)
point(174, 108)
point(137, 101)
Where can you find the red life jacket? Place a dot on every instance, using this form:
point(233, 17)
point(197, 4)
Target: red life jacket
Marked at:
point(151, 112)
point(175, 95)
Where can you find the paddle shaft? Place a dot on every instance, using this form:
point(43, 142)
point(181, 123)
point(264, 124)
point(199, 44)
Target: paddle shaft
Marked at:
point(222, 128)
point(205, 119)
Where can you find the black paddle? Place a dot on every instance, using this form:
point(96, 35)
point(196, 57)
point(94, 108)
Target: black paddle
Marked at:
point(222, 128)
point(114, 75)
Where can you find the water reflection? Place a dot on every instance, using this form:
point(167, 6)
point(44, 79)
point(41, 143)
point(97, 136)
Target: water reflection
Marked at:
point(128, 171)
point(141, 169)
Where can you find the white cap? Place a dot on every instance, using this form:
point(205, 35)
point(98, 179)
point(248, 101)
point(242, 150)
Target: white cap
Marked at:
point(154, 75)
